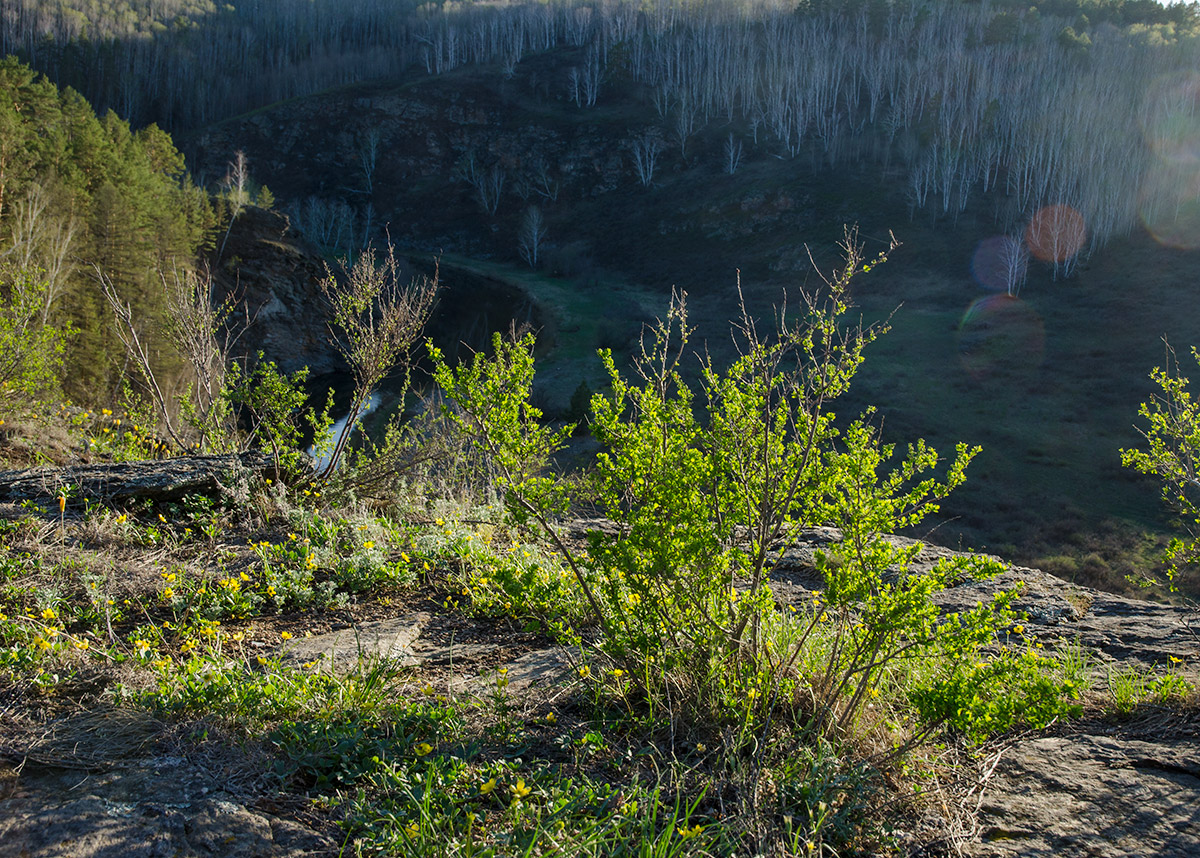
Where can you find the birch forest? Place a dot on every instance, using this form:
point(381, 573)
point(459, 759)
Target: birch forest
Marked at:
point(1079, 118)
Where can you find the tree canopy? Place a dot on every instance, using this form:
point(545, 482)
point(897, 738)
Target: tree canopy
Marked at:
point(77, 192)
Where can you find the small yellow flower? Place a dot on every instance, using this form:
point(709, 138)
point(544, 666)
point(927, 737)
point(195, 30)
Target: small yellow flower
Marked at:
point(49, 614)
point(519, 789)
point(411, 831)
point(423, 749)
point(168, 593)
point(585, 672)
point(368, 544)
point(81, 645)
point(618, 673)
point(486, 789)
point(122, 518)
point(287, 636)
point(551, 718)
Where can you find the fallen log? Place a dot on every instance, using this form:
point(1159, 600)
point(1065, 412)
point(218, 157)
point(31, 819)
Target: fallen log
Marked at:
point(155, 480)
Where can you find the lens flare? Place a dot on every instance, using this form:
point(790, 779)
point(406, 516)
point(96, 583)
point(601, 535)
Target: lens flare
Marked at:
point(1000, 263)
point(1169, 200)
point(1172, 126)
point(986, 265)
point(1055, 233)
point(1000, 333)
point(1169, 205)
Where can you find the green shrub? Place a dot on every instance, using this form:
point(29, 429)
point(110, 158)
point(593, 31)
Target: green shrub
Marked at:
point(1172, 454)
point(31, 352)
point(705, 488)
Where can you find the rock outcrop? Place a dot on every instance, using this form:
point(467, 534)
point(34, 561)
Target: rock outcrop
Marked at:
point(271, 274)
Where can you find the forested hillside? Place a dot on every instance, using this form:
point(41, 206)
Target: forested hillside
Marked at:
point(81, 195)
point(951, 100)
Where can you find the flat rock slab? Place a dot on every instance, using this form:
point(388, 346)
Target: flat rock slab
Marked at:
point(1089, 795)
point(93, 827)
point(147, 807)
point(346, 649)
point(1114, 630)
point(540, 668)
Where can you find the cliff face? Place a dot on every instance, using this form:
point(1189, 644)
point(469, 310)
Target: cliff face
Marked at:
point(272, 275)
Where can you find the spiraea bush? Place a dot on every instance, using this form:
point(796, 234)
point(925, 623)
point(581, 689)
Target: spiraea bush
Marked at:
point(705, 487)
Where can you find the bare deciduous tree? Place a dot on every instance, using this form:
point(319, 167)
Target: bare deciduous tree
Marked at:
point(1014, 263)
point(237, 176)
point(368, 156)
point(375, 319)
point(531, 235)
point(733, 154)
point(202, 335)
point(41, 241)
point(645, 149)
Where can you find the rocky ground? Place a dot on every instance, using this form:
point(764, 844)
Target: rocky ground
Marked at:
point(120, 783)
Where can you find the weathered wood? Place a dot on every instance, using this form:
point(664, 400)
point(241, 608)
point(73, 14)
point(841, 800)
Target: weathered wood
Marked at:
point(162, 479)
